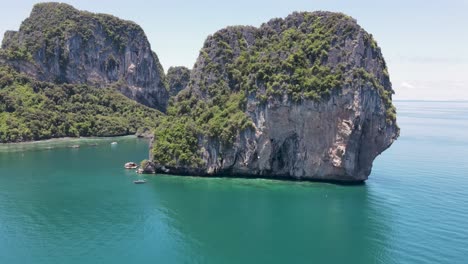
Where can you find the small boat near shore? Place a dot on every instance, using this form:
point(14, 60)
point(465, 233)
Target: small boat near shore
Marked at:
point(130, 165)
point(139, 181)
point(114, 143)
point(75, 146)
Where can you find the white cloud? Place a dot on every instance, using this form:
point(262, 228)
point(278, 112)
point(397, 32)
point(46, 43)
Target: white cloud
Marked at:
point(443, 90)
point(438, 79)
point(406, 85)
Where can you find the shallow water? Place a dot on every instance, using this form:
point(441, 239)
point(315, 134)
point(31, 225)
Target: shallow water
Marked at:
point(64, 205)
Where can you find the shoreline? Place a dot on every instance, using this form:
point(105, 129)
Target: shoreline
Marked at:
point(64, 142)
point(67, 139)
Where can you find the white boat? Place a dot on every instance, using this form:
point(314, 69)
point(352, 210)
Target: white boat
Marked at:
point(131, 165)
point(114, 143)
point(139, 181)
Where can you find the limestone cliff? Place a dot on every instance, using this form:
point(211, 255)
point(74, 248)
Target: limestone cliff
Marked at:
point(305, 97)
point(177, 79)
point(60, 44)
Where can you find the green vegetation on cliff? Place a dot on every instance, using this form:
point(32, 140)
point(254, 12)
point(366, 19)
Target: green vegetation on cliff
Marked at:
point(306, 56)
point(60, 44)
point(177, 79)
point(292, 61)
point(51, 23)
point(33, 110)
point(176, 136)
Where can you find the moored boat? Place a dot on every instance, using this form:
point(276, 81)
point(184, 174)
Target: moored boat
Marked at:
point(139, 181)
point(131, 165)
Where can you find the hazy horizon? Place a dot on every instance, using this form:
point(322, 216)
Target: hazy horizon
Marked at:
point(422, 41)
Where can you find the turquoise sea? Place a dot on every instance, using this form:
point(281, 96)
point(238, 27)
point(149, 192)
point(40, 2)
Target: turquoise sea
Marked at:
point(64, 205)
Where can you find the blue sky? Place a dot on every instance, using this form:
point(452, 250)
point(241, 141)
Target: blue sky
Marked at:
point(425, 43)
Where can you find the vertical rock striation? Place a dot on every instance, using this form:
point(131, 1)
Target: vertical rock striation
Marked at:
point(60, 44)
point(316, 92)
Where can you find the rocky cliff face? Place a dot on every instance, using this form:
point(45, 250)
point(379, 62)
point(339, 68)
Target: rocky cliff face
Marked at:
point(60, 44)
point(337, 139)
point(177, 79)
point(305, 97)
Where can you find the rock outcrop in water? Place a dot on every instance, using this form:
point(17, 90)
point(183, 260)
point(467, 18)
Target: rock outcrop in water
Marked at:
point(305, 97)
point(60, 44)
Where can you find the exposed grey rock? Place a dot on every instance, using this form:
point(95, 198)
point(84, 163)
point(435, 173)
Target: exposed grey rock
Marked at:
point(148, 167)
point(177, 78)
point(333, 140)
point(96, 49)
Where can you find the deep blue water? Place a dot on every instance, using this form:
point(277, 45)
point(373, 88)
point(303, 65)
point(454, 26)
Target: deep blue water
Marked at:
point(65, 205)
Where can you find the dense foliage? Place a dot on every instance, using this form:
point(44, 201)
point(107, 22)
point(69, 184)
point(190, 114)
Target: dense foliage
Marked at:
point(176, 142)
point(176, 136)
point(50, 23)
point(282, 58)
point(177, 79)
point(33, 110)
